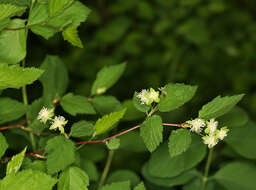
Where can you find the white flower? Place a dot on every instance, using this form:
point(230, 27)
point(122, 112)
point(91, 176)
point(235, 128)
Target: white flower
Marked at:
point(211, 140)
point(45, 114)
point(211, 126)
point(143, 96)
point(196, 125)
point(154, 95)
point(58, 123)
point(222, 133)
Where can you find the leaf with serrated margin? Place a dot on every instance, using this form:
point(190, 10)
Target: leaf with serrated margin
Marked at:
point(14, 165)
point(71, 35)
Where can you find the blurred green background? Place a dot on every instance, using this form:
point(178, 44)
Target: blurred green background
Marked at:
point(206, 43)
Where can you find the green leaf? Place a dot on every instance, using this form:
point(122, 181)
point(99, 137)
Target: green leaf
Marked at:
point(4, 23)
point(11, 110)
point(106, 123)
point(243, 146)
point(140, 187)
point(3, 145)
point(14, 165)
point(74, 104)
point(179, 142)
point(237, 176)
point(124, 175)
point(82, 129)
point(61, 153)
point(219, 106)
point(106, 104)
point(107, 77)
point(9, 10)
point(117, 186)
point(54, 79)
point(175, 96)
point(113, 144)
point(15, 76)
point(151, 131)
point(56, 6)
point(13, 43)
point(71, 35)
point(176, 165)
point(42, 24)
point(131, 113)
point(28, 179)
point(138, 105)
point(73, 178)
point(38, 165)
point(90, 168)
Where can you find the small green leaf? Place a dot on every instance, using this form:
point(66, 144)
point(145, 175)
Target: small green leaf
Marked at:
point(3, 145)
point(151, 131)
point(57, 6)
point(61, 153)
point(140, 186)
point(11, 110)
point(15, 76)
point(113, 144)
point(137, 104)
point(9, 10)
point(73, 178)
point(219, 106)
point(13, 43)
point(14, 165)
point(124, 175)
point(82, 129)
point(237, 176)
point(74, 104)
point(179, 142)
point(106, 78)
point(106, 123)
point(28, 179)
point(106, 104)
point(175, 95)
point(125, 185)
point(71, 35)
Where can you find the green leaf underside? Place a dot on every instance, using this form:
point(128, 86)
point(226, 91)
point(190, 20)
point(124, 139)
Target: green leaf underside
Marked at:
point(138, 105)
point(9, 10)
point(106, 123)
point(15, 76)
point(71, 35)
point(73, 178)
point(74, 104)
point(178, 164)
point(151, 132)
point(14, 165)
point(61, 153)
point(107, 77)
point(175, 96)
point(82, 129)
point(179, 142)
point(28, 179)
point(56, 5)
point(3, 145)
point(237, 176)
point(219, 106)
point(117, 186)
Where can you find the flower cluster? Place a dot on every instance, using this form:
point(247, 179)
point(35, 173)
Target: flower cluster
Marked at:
point(58, 122)
point(148, 96)
point(211, 135)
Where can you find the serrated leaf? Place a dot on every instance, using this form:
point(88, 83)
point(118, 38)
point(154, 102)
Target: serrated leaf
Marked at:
point(151, 131)
point(13, 43)
point(125, 185)
point(138, 105)
point(140, 186)
point(15, 76)
point(179, 142)
point(73, 178)
point(28, 179)
point(219, 106)
point(3, 145)
point(178, 164)
point(14, 165)
point(38, 165)
point(61, 153)
point(9, 10)
point(54, 79)
point(175, 95)
point(71, 35)
point(107, 77)
point(11, 110)
point(124, 175)
point(74, 104)
point(82, 129)
point(106, 123)
point(113, 144)
point(237, 176)
point(56, 5)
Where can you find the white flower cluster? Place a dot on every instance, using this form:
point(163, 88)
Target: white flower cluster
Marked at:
point(58, 122)
point(148, 96)
point(211, 135)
